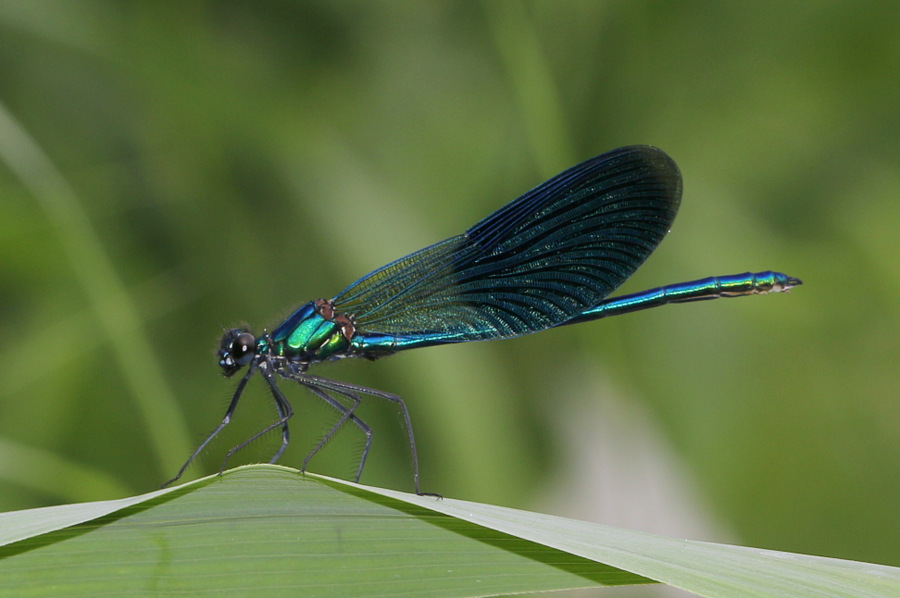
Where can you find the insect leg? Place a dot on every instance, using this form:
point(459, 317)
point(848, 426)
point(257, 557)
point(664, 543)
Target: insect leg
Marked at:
point(346, 389)
point(284, 410)
point(225, 421)
point(346, 413)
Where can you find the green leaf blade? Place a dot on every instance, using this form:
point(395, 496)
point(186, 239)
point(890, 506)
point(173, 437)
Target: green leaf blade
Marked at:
point(270, 530)
point(267, 528)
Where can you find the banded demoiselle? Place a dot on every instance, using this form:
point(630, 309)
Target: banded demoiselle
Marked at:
point(550, 258)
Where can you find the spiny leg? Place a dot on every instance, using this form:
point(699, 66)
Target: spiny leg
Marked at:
point(346, 414)
point(313, 383)
point(284, 410)
point(343, 388)
point(225, 421)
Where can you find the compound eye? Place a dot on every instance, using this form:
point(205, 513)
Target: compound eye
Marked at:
point(237, 350)
point(243, 347)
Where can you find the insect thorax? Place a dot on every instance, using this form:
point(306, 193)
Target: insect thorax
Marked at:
point(315, 332)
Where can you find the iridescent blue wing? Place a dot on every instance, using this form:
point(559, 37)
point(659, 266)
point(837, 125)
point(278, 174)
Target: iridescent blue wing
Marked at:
point(537, 262)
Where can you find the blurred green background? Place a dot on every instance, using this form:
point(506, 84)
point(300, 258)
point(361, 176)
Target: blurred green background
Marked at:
point(170, 169)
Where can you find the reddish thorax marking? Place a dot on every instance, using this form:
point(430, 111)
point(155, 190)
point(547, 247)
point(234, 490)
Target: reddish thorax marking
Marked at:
point(325, 308)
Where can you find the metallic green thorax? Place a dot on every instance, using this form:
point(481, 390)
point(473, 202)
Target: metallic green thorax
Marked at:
point(313, 333)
